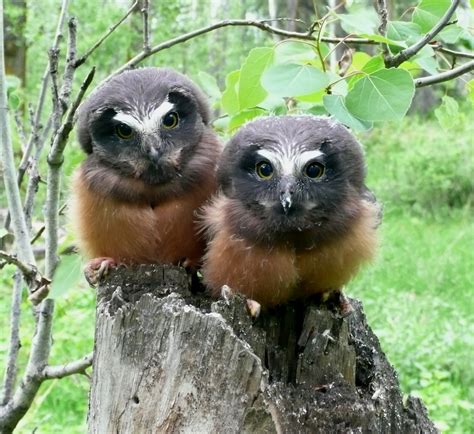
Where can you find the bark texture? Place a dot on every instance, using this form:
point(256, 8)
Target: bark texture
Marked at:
point(169, 361)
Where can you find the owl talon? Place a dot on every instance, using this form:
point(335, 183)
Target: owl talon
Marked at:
point(226, 293)
point(254, 308)
point(345, 306)
point(98, 268)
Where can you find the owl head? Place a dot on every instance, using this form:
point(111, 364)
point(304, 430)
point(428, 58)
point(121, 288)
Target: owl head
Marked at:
point(292, 179)
point(144, 124)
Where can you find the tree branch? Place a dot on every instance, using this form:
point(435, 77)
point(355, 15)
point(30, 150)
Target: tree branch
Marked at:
point(55, 161)
point(383, 14)
point(11, 413)
point(454, 53)
point(85, 56)
point(14, 343)
point(445, 76)
point(259, 24)
point(75, 367)
point(146, 26)
point(407, 53)
point(23, 247)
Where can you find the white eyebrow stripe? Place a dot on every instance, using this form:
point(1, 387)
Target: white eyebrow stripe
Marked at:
point(149, 123)
point(306, 156)
point(284, 163)
point(153, 119)
point(129, 120)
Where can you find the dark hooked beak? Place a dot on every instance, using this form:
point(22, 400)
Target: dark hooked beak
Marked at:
point(286, 194)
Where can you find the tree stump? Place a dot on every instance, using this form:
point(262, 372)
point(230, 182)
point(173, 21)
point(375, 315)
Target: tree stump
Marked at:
point(167, 360)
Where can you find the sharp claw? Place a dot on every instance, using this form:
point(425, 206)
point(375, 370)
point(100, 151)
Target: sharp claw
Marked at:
point(345, 306)
point(254, 308)
point(226, 293)
point(98, 268)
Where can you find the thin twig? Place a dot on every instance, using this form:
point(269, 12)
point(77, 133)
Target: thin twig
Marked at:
point(454, 53)
point(14, 343)
point(36, 122)
point(11, 413)
point(55, 161)
point(32, 276)
point(260, 24)
point(85, 56)
point(407, 53)
point(75, 367)
point(445, 76)
point(383, 14)
point(20, 229)
point(146, 26)
point(42, 228)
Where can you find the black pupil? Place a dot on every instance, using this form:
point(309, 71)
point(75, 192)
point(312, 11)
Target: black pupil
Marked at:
point(124, 130)
point(265, 169)
point(170, 119)
point(314, 170)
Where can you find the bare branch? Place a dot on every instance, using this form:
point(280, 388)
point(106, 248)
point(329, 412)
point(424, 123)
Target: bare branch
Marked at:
point(14, 343)
point(30, 272)
point(36, 122)
point(146, 26)
point(445, 76)
point(75, 367)
point(260, 24)
point(383, 14)
point(24, 250)
point(11, 413)
point(454, 53)
point(85, 56)
point(55, 161)
point(407, 53)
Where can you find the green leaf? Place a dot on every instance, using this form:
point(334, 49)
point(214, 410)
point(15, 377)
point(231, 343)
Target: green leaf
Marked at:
point(383, 95)
point(451, 34)
point(374, 64)
point(229, 101)
point(361, 21)
point(470, 90)
point(403, 31)
point(12, 82)
point(243, 117)
point(336, 107)
point(446, 112)
point(250, 91)
point(67, 275)
point(291, 51)
point(428, 13)
point(383, 39)
point(294, 80)
point(208, 84)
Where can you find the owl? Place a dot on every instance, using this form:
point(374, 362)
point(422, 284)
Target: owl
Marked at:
point(293, 217)
point(151, 163)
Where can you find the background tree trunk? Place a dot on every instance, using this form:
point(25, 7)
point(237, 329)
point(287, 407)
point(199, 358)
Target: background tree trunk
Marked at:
point(169, 361)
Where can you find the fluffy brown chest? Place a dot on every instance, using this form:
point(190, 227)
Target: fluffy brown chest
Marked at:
point(137, 233)
point(274, 276)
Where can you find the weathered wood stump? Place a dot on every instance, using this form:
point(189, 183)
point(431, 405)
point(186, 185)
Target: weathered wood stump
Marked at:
point(169, 361)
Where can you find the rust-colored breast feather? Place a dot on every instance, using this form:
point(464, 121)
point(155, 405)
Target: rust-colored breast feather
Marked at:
point(138, 233)
point(275, 275)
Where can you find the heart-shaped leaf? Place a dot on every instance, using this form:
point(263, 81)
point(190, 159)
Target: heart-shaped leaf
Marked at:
point(336, 107)
point(292, 80)
point(384, 95)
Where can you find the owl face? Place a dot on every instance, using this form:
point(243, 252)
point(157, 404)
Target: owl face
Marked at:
point(144, 124)
point(292, 177)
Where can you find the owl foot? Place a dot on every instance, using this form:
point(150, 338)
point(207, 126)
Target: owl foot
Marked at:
point(226, 293)
point(96, 269)
point(254, 308)
point(345, 306)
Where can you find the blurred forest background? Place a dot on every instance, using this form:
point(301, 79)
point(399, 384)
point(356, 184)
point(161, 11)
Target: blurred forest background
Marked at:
point(418, 295)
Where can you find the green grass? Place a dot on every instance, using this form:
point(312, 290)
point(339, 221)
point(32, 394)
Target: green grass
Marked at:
point(418, 294)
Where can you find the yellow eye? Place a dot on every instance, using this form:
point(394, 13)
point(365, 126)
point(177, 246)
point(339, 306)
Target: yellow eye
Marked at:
point(170, 120)
point(124, 131)
point(264, 170)
point(314, 170)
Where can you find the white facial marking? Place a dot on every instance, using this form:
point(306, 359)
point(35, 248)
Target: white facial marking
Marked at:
point(307, 156)
point(287, 163)
point(148, 124)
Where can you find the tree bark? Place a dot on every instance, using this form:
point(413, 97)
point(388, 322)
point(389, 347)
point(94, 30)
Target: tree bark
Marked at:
point(167, 360)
